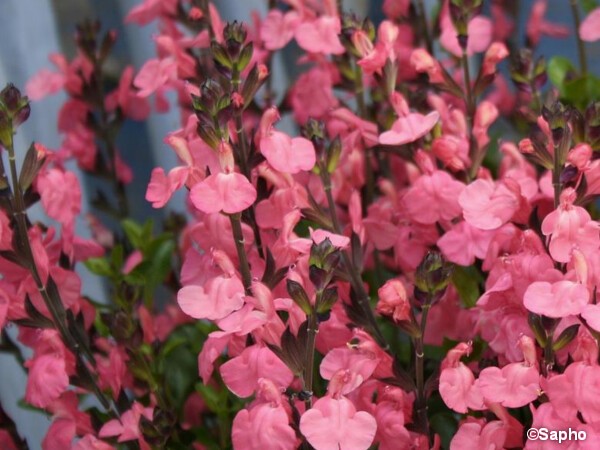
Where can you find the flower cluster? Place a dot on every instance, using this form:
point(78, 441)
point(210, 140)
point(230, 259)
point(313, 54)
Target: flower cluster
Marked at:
point(393, 273)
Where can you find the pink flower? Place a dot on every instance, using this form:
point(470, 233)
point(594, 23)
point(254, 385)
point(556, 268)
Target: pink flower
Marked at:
point(590, 313)
point(494, 54)
point(126, 98)
point(44, 83)
point(409, 128)
point(154, 74)
point(4, 303)
point(47, 379)
point(336, 240)
point(218, 298)
point(211, 349)
point(161, 186)
point(457, 382)
point(149, 10)
point(312, 95)
point(112, 371)
point(334, 424)
point(538, 26)
point(286, 154)
point(227, 192)
point(395, 9)
point(479, 34)
point(358, 365)
point(70, 77)
point(6, 233)
point(60, 194)
point(320, 36)
point(277, 29)
point(263, 426)
point(452, 151)
point(393, 301)
point(475, 434)
point(570, 227)
point(463, 243)
point(433, 197)
point(422, 61)
point(392, 413)
point(59, 435)
point(374, 58)
point(194, 154)
point(127, 427)
point(485, 115)
point(589, 30)
point(516, 384)
point(241, 374)
point(488, 206)
point(559, 299)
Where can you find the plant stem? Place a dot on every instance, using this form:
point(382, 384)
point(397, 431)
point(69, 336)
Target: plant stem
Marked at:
point(107, 137)
point(548, 353)
point(421, 401)
point(243, 156)
point(474, 153)
point(355, 279)
point(238, 237)
point(580, 44)
point(52, 302)
point(309, 364)
point(359, 93)
point(423, 20)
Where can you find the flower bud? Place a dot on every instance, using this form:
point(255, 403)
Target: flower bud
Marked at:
point(393, 301)
point(234, 35)
point(14, 110)
point(432, 278)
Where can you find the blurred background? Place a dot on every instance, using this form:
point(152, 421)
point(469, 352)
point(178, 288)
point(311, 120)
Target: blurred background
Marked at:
point(32, 29)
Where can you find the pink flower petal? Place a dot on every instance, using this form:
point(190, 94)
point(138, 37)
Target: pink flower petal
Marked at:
point(227, 192)
point(409, 128)
point(216, 300)
point(589, 30)
point(241, 374)
point(560, 299)
point(334, 424)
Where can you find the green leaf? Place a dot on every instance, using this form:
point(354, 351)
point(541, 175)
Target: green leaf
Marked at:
point(133, 231)
point(558, 69)
point(117, 257)
point(159, 268)
point(446, 425)
point(99, 266)
point(181, 374)
point(100, 326)
point(582, 91)
point(210, 396)
point(589, 5)
point(467, 282)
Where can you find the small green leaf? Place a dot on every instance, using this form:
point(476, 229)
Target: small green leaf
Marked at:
point(582, 91)
point(467, 282)
point(210, 396)
point(445, 425)
point(117, 257)
point(589, 5)
point(566, 337)
point(559, 68)
point(99, 266)
point(133, 231)
point(159, 267)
